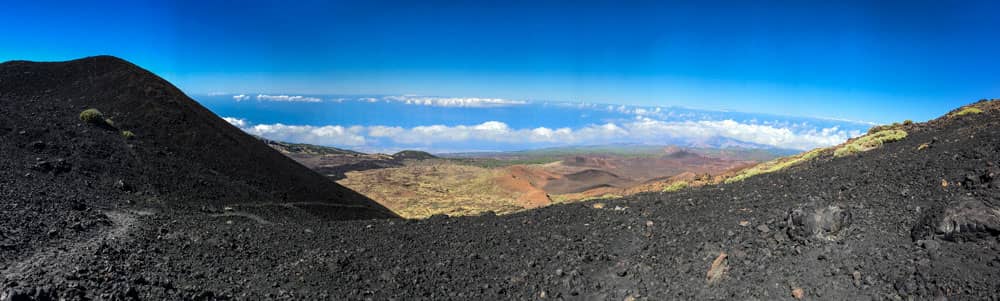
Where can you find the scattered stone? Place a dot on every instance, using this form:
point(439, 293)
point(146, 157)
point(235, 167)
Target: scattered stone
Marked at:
point(929, 245)
point(966, 218)
point(798, 293)
point(7, 244)
point(763, 228)
point(121, 185)
point(744, 223)
point(780, 237)
point(718, 268)
point(598, 205)
point(824, 223)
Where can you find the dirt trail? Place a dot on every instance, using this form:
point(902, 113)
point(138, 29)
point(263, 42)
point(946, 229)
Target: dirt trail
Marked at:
point(120, 223)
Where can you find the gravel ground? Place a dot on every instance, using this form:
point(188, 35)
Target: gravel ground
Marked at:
point(193, 209)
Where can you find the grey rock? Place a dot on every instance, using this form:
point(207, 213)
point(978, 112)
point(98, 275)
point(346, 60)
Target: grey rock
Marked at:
point(826, 223)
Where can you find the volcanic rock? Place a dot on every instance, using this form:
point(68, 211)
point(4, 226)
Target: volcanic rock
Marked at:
point(824, 223)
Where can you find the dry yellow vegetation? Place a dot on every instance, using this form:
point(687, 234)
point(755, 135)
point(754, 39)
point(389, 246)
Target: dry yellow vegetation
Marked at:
point(433, 187)
point(967, 111)
point(676, 186)
point(869, 142)
point(775, 165)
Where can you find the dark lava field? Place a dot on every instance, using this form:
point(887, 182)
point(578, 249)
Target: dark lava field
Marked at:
point(191, 208)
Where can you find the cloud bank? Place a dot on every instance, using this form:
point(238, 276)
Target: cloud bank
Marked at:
point(285, 98)
point(638, 130)
point(465, 102)
point(456, 102)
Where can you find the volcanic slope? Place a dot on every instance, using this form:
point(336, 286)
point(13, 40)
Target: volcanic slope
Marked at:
point(64, 180)
point(914, 218)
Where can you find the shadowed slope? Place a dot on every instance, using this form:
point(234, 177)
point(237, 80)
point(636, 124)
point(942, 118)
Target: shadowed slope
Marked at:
point(182, 153)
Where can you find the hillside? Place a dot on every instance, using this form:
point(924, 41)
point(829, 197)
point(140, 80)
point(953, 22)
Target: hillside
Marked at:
point(907, 218)
point(416, 184)
point(419, 189)
point(153, 150)
point(413, 155)
point(306, 149)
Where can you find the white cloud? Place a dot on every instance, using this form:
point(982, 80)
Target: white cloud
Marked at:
point(240, 123)
point(287, 98)
point(639, 130)
point(323, 135)
point(240, 97)
point(466, 102)
point(755, 133)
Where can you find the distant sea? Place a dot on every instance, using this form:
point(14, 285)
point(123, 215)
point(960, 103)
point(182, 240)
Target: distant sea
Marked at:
point(408, 112)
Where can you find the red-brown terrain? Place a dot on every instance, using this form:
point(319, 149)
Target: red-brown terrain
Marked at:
point(402, 181)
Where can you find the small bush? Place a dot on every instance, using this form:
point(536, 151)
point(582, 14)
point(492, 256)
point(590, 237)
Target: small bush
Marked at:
point(675, 186)
point(92, 116)
point(870, 141)
point(907, 122)
point(128, 134)
point(967, 111)
point(886, 127)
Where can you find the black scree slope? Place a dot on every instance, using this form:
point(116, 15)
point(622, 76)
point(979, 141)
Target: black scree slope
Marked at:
point(915, 219)
point(58, 169)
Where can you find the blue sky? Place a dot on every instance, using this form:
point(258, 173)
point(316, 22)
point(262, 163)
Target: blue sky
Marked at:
point(876, 61)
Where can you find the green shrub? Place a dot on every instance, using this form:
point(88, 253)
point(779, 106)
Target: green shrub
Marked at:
point(967, 111)
point(870, 141)
point(92, 116)
point(675, 186)
point(128, 134)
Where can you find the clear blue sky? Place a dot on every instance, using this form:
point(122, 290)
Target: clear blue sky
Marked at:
point(866, 60)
